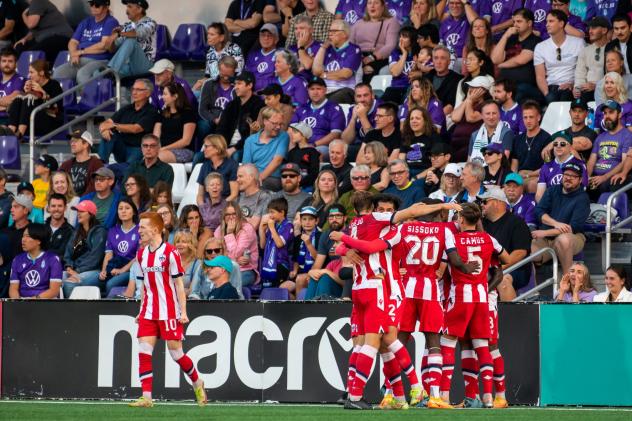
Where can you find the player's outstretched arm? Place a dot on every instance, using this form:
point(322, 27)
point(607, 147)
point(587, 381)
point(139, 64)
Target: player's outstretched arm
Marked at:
point(182, 299)
point(363, 246)
point(457, 263)
point(421, 209)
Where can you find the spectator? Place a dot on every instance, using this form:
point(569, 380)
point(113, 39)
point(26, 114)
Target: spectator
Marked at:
point(11, 22)
point(134, 43)
point(216, 160)
point(514, 55)
point(169, 220)
point(479, 37)
point(85, 250)
point(609, 151)
point(418, 138)
point(184, 243)
point(539, 8)
point(202, 285)
point(607, 10)
point(590, 63)
point(243, 20)
point(38, 89)
point(105, 199)
point(45, 165)
point(491, 131)
point(575, 26)
point(87, 47)
point(520, 203)
point(360, 181)
point(252, 200)
point(303, 154)
point(306, 46)
point(36, 273)
point(339, 166)
point(137, 190)
point(261, 62)
point(581, 135)
point(163, 71)
point(501, 17)
point(576, 286)
point(614, 63)
point(329, 282)
point(428, 35)
point(216, 94)
point(455, 27)
point(337, 62)
point(286, 67)
point(616, 282)
point(621, 39)
point(472, 178)
point(510, 111)
point(275, 236)
point(350, 11)
point(513, 235)
point(11, 236)
point(213, 202)
point(123, 132)
point(176, 126)
point(562, 212)
point(407, 190)
point(150, 167)
point(422, 12)
point(12, 84)
point(267, 148)
point(6, 198)
point(191, 219)
point(219, 270)
point(376, 158)
point(325, 194)
point(467, 117)
point(360, 119)
point(479, 66)
point(326, 247)
point(496, 164)
point(304, 248)
point(59, 229)
point(60, 184)
point(220, 45)
point(36, 215)
point(450, 184)
point(82, 165)
point(440, 155)
point(121, 247)
point(422, 95)
point(555, 59)
point(274, 97)
point(526, 154)
point(614, 90)
point(239, 114)
point(444, 80)
point(49, 30)
point(161, 195)
point(551, 172)
point(321, 21)
point(386, 132)
point(291, 190)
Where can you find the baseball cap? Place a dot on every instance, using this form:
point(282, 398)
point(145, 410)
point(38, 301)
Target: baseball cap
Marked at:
point(336, 208)
point(440, 148)
point(291, 167)
point(304, 128)
point(579, 103)
point(514, 177)
point(317, 81)
point(271, 89)
point(162, 65)
point(563, 135)
point(24, 200)
point(220, 262)
point(86, 135)
point(141, 3)
point(47, 161)
point(309, 210)
point(480, 82)
point(493, 147)
point(86, 206)
point(454, 169)
point(25, 185)
point(99, 2)
point(270, 28)
point(571, 166)
point(599, 21)
point(493, 192)
point(246, 76)
point(612, 104)
point(103, 172)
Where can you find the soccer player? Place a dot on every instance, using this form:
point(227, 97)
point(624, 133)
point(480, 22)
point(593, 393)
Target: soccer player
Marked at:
point(163, 311)
point(467, 315)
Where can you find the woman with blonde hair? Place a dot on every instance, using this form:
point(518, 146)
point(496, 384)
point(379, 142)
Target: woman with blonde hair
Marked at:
point(376, 158)
point(423, 12)
point(183, 241)
point(61, 183)
point(201, 286)
point(614, 89)
point(576, 286)
point(423, 95)
point(216, 159)
point(450, 184)
point(325, 194)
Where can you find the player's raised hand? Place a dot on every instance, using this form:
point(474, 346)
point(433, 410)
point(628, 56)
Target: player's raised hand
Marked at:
point(453, 206)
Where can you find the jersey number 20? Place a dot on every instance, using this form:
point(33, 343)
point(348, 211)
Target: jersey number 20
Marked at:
point(427, 250)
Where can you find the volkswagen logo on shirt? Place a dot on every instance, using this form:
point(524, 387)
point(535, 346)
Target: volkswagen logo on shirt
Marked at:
point(262, 67)
point(310, 121)
point(351, 17)
point(123, 246)
point(539, 15)
point(333, 66)
point(32, 278)
point(497, 8)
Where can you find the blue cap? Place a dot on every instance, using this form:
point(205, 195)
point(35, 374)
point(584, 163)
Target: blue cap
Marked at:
point(493, 147)
point(514, 177)
point(612, 104)
point(309, 210)
point(220, 262)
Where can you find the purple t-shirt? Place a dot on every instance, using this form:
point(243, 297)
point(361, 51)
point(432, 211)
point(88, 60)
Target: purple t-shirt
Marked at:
point(551, 172)
point(502, 11)
point(525, 209)
point(273, 255)
point(262, 66)
point(584, 296)
point(90, 32)
point(351, 10)
point(326, 118)
point(348, 56)
point(399, 9)
point(513, 118)
point(121, 243)
point(577, 23)
point(371, 116)
point(296, 88)
point(311, 50)
point(453, 33)
point(610, 149)
point(540, 9)
point(481, 7)
point(435, 109)
point(606, 8)
point(156, 96)
point(16, 83)
point(35, 276)
point(401, 81)
point(626, 116)
point(224, 96)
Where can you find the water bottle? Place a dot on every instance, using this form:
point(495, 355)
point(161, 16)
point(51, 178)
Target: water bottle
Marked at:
point(590, 120)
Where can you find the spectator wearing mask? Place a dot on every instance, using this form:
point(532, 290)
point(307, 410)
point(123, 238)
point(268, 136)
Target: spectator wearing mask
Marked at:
point(150, 167)
point(59, 228)
point(616, 284)
point(590, 63)
point(520, 203)
point(408, 191)
point(82, 165)
point(104, 198)
point(526, 154)
point(551, 172)
point(576, 286)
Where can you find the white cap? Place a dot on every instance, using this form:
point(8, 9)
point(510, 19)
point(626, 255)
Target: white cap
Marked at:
point(480, 82)
point(493, 192)
point(454, 169)
point(87, 136)
point(162, 65)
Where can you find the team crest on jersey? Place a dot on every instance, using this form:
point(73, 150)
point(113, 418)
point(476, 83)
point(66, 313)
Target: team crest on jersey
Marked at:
point(262, 67)
point(123, 247)
point(221, 102)
point(310, 121)
point(32, 278)
point(43, 265)
point(453, 39)
point(333, 66)
point(351, 17)
point(393, 12)
point(539, 15)
point(408, 66)
point(557, 179)
point(497, 8)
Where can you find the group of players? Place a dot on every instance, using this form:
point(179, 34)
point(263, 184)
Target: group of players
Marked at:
point(400, 282)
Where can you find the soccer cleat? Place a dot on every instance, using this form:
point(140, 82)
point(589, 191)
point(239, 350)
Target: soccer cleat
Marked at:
point(200, 395)
point(500, 403)
point(471, 403)
point(358, 405)
point(387, 401)
point(417, 394)
point(142, 402)
point(438, 403)
point(342, 399)
point(423, 403)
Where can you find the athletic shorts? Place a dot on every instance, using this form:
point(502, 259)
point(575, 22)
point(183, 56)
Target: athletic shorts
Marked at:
point(169, 330)
point(395, 308)
point(372, 311)
point(353, 321)
point(468, 320)
point(493, 327)
point(429, 314)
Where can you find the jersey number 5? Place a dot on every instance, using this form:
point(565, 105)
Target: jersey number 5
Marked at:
point(472, 257)
point(429, 250)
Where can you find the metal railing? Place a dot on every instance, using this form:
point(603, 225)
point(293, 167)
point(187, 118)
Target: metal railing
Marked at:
point(606, 256)
point(551, 281)
point(114, 100)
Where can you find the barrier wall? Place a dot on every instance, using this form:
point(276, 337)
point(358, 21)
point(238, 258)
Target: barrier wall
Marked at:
point(249, 351)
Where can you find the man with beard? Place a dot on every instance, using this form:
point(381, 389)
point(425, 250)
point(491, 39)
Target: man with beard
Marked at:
point(291, 190)
point(82, 165)
point(216, 94)
point(360, 119)
point(326, 249)
point(12, 83)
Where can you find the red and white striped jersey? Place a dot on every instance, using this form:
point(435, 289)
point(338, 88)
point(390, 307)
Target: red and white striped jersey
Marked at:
point(472, 246)
point(424, 249)
point(160, 268)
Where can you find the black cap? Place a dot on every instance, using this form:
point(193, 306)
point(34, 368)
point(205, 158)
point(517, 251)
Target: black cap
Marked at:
point(25, 185)
point(599, 21)
point(291, 167)
point(562, 134)
point(440, 148)
point(48, 162)
point(271, 89)
point(579, 103)
point(99, 2)
point(571, 166)
point(246, 76)
point(141, 3)
point(336, 207)
point(316, 81)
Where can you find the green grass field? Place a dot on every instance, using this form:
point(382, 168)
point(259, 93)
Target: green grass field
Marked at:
point(46, 410)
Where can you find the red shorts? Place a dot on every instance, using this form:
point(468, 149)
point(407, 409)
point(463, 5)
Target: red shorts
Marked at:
point(169, 330)
point(353, 321)
point(493, 326)
point(428, 313)
point(468, 320)
point(372, 311)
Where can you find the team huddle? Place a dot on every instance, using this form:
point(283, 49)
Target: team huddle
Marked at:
point(401, 285)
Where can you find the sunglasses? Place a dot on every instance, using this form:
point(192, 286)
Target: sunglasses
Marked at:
point(211, 251)
point(396, 173)
point(559, 53)
point(490, 153)
point(559, 144)
point(360, 178)
point(289, 175)
point(597, 53)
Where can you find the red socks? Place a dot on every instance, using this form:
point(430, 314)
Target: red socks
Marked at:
point(145, 372)
point(402, 356)
point(425, 375)
point(392, 371)
point(448, 347)
point(470, 373)
point(499, 372)
point(435, 365)
point(187, 366)
point(486, 363)
point(351, 373)
point(364, 363)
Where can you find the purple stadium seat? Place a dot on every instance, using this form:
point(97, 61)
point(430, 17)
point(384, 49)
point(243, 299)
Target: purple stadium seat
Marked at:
point(620, 204)
point(189, 43)
point(70, 101)
point(116, 291)
point(26, 58)
point(274, 294)
point(246, 292)
point(62, 58)
point(530, 285)
point(10, 153)
point(95, 93)
point(301, 295)
point(163, 41)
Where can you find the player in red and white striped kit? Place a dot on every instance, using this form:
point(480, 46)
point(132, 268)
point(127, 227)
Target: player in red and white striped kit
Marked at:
point(163, 311)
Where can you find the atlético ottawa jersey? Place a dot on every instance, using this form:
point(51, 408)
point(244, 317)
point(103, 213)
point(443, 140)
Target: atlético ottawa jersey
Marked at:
point(160, 268)
point(472, 246)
